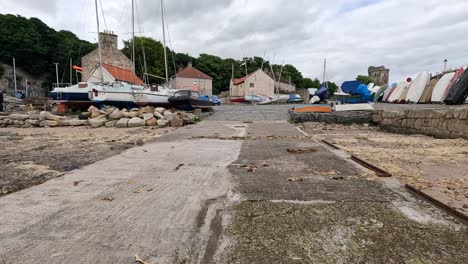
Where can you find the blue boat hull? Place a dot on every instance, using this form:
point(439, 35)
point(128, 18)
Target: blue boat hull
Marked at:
point(64, 96)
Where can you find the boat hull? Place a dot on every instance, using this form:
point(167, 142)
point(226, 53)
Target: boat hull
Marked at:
point(70, 96)
point(188, 103)
point(145, 99)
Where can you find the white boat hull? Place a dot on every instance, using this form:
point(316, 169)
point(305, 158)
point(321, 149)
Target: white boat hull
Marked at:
point(149, 98)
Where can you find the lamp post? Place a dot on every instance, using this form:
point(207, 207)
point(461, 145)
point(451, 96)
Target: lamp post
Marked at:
point(445, 64)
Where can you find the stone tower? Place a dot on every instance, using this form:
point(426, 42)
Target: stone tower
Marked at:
point(380, 74)
point(110, 55)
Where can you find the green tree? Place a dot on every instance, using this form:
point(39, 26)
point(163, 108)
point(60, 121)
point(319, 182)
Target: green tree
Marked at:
point(331, 88)
point(365, 79)
point(309, 83)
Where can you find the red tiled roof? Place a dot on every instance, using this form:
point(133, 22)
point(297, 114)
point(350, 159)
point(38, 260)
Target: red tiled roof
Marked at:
point(191, 72)
point(122, 74)
point(237, 81)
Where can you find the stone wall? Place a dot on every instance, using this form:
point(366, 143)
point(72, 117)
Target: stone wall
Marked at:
point(440, 123)
point(345, 117)
point(37, 85)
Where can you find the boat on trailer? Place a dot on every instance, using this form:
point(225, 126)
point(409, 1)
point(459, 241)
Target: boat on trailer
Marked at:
point(119, 94)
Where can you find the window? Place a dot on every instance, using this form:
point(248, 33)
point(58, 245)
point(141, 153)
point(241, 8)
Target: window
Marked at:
point(252, 85)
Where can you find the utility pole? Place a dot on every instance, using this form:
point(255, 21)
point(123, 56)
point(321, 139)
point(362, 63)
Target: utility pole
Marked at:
point(164, 41)
point(56, 73)
point(99, 41)
point(445, 64)
point(71, 71)
point(14, 74)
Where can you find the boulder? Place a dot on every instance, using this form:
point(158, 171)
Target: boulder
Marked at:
point(190, 118)
point(147, 117)
point(111, 123)
point(163, 123)
point(84, 115)
point(92, 108)
point(97, 113)
point(168, 115)
point(134, 110)
point(48, 123)
point(65, 123)
point(97, 122)
point(33, 122)
point(136, 122)
point(158, 115)
point(78, 122)
point(34, 116)
point(152, 122)
point(130, 114)
point(122, 123)
point(56, 118)
point(116, 115)
point(147, 110)
point(19, 117)
point(159, 110)
point(177, 121)
point(42, 115)
point(109, 110)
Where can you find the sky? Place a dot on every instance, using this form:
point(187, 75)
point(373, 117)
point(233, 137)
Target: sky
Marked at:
point(407, 36)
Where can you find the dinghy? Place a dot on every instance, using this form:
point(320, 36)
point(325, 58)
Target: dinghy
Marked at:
point(404, 92)
point(189, 100)
point(453, 80)
point(440, 87)
point(426, 96)
point(396, 93)
point(417, 87)
point(389, 92)
point(380, 92)
point(153, 98)
point(459, 90)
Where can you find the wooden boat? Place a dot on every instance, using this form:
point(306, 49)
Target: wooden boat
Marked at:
point(189, 100)
point(426, 96)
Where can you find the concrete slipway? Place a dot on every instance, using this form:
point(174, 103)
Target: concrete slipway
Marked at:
point(218, 192)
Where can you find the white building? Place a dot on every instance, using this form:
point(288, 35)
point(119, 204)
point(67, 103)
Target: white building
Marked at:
point(190, 78)
point(255, 83)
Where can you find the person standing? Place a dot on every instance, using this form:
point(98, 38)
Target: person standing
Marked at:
point(1, 101)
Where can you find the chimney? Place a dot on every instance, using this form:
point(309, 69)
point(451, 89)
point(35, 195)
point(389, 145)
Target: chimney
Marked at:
point(189, 64)
point(108, 39)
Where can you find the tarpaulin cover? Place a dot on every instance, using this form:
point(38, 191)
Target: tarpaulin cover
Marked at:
point(350, 86)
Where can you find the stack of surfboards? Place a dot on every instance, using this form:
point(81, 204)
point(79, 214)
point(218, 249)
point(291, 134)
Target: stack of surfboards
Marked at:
point(417, 87)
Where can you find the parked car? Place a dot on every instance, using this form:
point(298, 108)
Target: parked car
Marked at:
point(213, 98)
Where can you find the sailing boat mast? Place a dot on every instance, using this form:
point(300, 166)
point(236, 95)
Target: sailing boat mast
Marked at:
point(133, 38)
point(99, 41)
point(164, 41)
point(324, 72)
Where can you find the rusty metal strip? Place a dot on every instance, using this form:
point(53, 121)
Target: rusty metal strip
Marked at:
point(448, 209)
point(330, 144)
point(377, 170)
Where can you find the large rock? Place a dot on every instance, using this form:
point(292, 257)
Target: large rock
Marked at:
point(78, 122)
point(55, 118)
point(177, 121)
point(116, 115)
point(122, 123)
point(48, 123)
point(163, 123)
point(168, 115)
point(111, 123)
point(152, 122)
point(97, 113)
point(92, 108)
point(97, 122)
point(19, 117)
point(190, 118)
point(147, 116)
point(131, 114)
point(158, 115)
point(84, 115)
point(110, 110)
point(147, 110)
point(136, 122)
point(159, 110)
point(33, 122)
point(42, 115)
point(34, 116)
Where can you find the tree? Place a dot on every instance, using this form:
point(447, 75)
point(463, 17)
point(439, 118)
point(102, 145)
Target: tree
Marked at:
point(309, 83)
point(365, 79)
point(332, 88)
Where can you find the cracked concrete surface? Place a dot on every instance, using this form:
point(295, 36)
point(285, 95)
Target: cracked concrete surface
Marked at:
point(230, 202)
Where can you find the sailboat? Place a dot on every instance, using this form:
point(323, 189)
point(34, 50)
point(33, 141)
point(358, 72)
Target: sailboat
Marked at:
point(78, 93)
point(162, 95)
point(118, 93)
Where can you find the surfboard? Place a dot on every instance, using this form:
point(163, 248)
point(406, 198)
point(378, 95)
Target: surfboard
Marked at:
point(416, 89)
point(439, 89)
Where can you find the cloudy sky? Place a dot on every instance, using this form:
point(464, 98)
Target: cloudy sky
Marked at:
point(407, 36)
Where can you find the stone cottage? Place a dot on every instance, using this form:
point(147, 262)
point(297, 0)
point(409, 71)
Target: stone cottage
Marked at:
point(255, 83)
point(190, 78)
point(111, 55)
